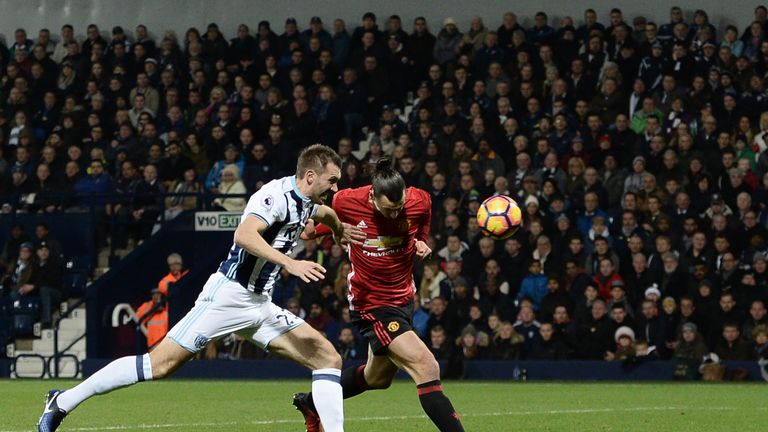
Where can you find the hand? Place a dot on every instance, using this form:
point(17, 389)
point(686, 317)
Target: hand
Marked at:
point(422, 250)
point(309, 232)
point(609, 356)
point(350, 235)
point(307, 271)
point(26, 289)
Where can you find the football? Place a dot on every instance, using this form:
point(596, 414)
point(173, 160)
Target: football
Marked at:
point(499, 217)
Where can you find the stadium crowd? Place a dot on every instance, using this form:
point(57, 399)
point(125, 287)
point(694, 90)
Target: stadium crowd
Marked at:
point(637, 151)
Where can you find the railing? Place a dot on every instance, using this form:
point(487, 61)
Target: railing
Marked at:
point(37, 356)
point(97, 205)
point(57, 354)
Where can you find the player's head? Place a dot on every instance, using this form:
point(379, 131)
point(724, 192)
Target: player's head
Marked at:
point(388, 189)
point(318, 172)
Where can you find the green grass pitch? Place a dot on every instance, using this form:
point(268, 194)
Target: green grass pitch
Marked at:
point(180, 405)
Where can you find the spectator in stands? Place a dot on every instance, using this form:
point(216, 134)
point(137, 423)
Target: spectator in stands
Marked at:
point(176, 271)
point(18, 276)
point(11, 248)
point(319, 318)
point(348, 347)
point(439, 345)
point(757, 317)
point(606, 278)
point(507, 343)
point(454, 250)
point(731, 346)
point(760, 336)
point(189, 190)
point(594, 334)
point(93, 188)
point(232, 156)
point(625, 345)
point(534, 286)
point(439, 317)
point(153, 318)
point(549, 346)
point(174, 165)
point(147, 204)
point(43, 235)
point(528, 327)
point(651, 326)
point(232, 189)
point(691, 346)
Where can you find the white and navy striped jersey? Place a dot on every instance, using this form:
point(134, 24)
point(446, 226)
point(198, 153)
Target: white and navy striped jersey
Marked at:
point(285, 211)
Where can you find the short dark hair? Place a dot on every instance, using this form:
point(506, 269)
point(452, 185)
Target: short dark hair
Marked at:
point(316, 157)
point(437, 329)
point(387, 181)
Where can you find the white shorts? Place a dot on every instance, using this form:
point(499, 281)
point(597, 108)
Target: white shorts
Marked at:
point(225, 307)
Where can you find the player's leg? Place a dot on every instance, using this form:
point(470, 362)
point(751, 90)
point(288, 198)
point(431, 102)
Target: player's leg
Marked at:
point(409, 353)
point(287, 335)
point(160, 363)
point(206, 321)
point(123, 372)
point(376, 373)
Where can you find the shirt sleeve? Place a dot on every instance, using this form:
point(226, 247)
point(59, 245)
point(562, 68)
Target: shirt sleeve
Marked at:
point(268, 205)
point(322, 230)
point(426, 218)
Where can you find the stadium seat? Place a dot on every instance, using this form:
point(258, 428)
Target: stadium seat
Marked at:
point(25, 313)
point(74, 284)
point(6, 308)
point(23, 325)
point(6, 333)
point(79, 264)
point(27, 306)
point(76, 272)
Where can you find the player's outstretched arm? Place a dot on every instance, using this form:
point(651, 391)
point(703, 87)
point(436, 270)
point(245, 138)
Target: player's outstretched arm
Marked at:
point(344, 233)
point(248, 236)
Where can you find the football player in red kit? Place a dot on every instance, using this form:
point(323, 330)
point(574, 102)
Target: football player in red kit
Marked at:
point(396, 222)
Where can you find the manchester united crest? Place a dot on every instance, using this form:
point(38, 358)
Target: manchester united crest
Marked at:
point(393, 326)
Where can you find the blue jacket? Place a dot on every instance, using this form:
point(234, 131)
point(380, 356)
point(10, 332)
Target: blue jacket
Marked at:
point(340, 43)
point(584, 221)
point(88, 185)
point(535, 288)
point(214, 175)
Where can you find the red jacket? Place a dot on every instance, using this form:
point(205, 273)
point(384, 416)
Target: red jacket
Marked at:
point(604, 285)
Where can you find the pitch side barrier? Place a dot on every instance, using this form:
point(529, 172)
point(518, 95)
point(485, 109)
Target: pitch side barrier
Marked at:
point(475, 370)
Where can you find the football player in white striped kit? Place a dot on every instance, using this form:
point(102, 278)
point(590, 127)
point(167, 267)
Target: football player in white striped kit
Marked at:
point(237, 298)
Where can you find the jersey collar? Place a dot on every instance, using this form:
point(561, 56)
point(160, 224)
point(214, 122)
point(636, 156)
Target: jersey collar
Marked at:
point(296, 189)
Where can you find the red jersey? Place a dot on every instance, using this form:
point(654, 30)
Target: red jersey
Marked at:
point(382, 268)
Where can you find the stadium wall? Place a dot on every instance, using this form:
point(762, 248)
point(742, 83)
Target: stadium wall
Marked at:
point(228, 14)
point(475, 370)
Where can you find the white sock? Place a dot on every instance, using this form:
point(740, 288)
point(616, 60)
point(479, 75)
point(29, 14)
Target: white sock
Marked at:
point(328, 398)
point(122, 372)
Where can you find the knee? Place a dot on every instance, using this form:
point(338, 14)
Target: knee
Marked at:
point(427, 369)
point(328, 358)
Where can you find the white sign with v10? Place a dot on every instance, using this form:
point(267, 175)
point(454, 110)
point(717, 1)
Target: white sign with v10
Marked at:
point(216, 221)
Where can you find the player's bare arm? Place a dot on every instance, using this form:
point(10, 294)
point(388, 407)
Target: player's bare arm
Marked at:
point(343, 233)
point(249, 237)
